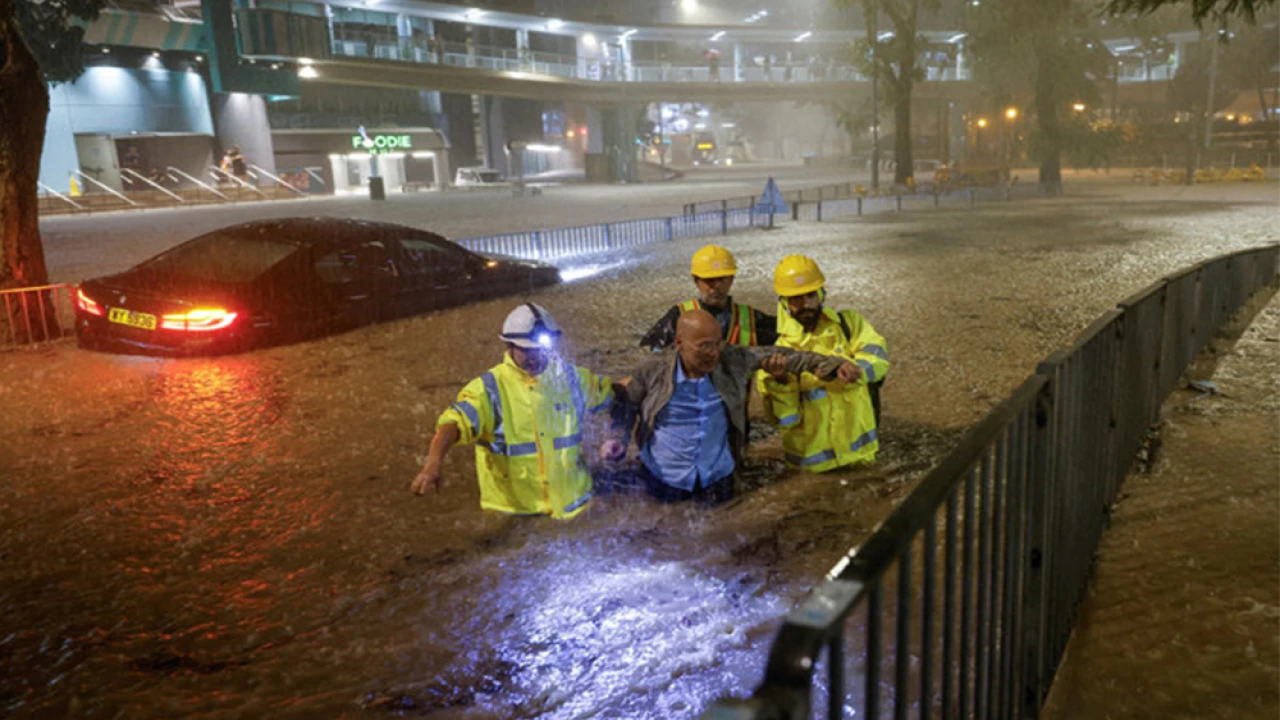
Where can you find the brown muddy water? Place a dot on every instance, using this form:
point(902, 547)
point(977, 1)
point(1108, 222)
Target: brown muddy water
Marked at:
point(235, 537)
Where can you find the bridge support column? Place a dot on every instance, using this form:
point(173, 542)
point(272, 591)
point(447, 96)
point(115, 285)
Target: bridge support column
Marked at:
point(522, 47)
point(404, 37)
point(619, 142)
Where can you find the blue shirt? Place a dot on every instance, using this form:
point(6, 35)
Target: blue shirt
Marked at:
point(690, 442)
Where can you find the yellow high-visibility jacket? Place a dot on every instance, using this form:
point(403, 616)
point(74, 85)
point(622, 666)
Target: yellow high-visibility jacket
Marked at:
point(826, 425)
point(528, 435)
point(742, 329)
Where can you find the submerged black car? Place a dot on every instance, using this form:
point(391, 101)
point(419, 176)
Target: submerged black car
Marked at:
point(276, 281)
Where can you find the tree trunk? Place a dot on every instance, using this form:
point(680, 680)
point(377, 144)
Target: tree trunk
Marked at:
point(902, 132)
point(22, 123)
point(1047, 116)
point(1267, 118)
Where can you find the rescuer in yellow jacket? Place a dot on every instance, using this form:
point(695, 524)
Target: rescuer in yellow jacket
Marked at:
point(525, 417)
point(713, 269)
point(825, 425)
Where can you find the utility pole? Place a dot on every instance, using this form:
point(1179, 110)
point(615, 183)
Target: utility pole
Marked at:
point(870, 10)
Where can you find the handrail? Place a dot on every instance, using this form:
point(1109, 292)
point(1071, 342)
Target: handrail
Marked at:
point(217, 169)
point(278, 180)
point(155, 185)
point(173, 169)
point(104, 187)
point(60, 196)
point(314, 174)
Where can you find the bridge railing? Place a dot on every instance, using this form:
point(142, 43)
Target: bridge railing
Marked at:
point(486, 57)
point(961, 602)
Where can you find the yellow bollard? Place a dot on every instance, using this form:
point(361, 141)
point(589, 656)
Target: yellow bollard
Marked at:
point(75, 187)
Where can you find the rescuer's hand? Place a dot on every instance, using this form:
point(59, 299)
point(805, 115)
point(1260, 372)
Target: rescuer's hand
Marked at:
point(430, 475)
point(848, 372)
point(612, 450)
point(775, 365)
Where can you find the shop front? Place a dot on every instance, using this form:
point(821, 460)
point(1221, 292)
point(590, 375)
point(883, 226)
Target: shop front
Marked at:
point(343, 161)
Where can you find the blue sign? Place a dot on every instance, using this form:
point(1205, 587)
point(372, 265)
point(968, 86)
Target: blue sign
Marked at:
point(771, 201)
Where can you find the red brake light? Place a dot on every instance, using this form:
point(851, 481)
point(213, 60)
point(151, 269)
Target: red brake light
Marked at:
point(84, 303)
point(201, 320)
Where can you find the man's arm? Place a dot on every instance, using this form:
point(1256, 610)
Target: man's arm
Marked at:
point(794, 362)
point(623, 414)
point(465, 421)
point(870, 350)
point(446, 436)
point(663, 332)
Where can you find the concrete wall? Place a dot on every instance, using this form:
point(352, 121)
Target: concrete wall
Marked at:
point(117, 101)
point(241, 119)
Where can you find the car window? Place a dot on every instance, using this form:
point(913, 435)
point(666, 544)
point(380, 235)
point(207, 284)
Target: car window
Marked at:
point(429, 257)
point(222, 257)
point(366, 260)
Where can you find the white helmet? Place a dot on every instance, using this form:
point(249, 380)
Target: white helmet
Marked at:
point(531, 326)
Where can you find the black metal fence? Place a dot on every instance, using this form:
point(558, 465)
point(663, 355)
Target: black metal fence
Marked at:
point(986, 561)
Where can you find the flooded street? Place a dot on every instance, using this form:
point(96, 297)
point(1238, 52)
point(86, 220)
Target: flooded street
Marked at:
point(235, 537)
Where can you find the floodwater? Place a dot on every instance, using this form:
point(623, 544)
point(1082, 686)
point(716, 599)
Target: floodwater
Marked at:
point(235, 537)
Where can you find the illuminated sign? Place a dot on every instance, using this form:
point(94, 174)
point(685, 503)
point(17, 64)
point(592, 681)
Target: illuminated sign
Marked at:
point(378, 144)
point(706, 146)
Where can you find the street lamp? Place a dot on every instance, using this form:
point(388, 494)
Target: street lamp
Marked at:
point(1011, 113)
point(982, 122)
point(1078, 107)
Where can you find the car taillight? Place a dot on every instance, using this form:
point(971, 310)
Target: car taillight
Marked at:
point(84, 303)
point(202, 320)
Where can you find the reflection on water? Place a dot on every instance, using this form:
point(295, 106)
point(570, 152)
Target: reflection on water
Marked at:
point(588, 626)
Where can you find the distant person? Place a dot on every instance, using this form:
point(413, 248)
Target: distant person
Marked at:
point(692, 406)
point(526, 417)
point(824, 425)
point(713, 269)
point(234, 163)
point(133, 159)
point(713, 65)
point(768, 67)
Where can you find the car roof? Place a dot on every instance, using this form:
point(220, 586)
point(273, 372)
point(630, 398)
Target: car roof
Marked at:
point(320, 233)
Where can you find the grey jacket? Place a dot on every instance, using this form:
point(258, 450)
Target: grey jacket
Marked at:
point(654, 382)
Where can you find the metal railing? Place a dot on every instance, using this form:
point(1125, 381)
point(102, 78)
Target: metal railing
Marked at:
point(276, 178)
point(486, 57)
point(131, 176)
point(718, 217)
point(36, 315)
point(559, 243)
point(103, 186)
point(987, 560)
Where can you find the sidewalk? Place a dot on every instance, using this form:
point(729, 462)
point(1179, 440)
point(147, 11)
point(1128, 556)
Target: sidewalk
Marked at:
point(1182, 615)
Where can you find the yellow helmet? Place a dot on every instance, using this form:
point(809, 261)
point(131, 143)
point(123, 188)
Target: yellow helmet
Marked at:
point(797, 275)
point(713, 261)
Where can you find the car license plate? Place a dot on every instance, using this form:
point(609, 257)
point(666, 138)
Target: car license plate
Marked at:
point(132, 319)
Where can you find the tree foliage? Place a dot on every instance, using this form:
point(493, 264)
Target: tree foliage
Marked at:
point(55, 42)
point(893, 60)
point(1201, 10)
point(1043, 57)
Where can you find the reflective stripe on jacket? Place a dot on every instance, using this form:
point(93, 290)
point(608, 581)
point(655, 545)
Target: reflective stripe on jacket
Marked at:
point(742, 326)
point(528, 435)
point(826, 425)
